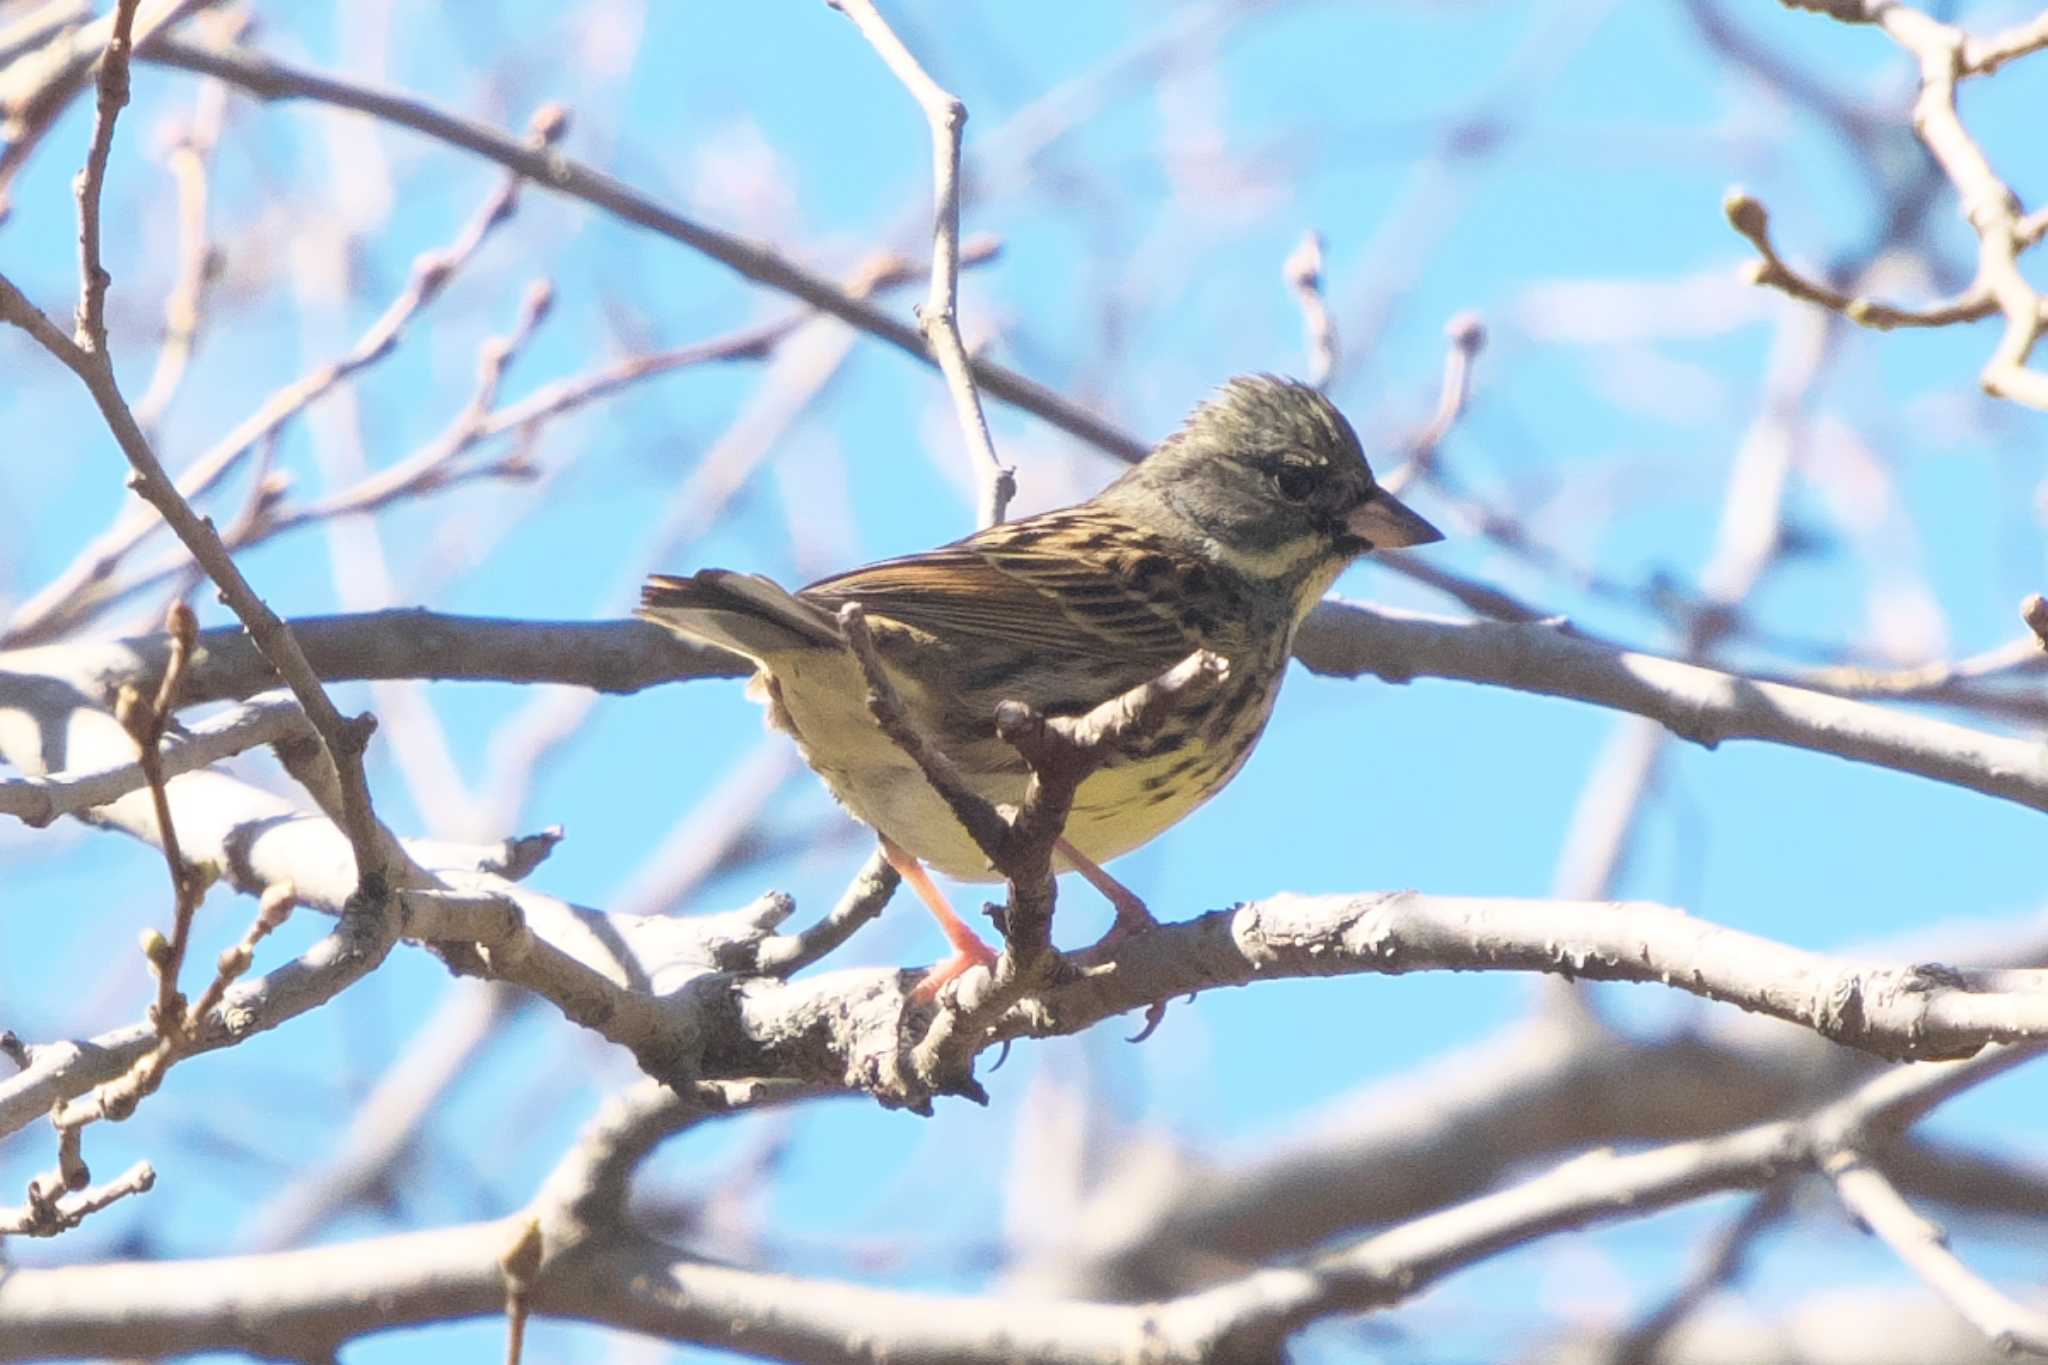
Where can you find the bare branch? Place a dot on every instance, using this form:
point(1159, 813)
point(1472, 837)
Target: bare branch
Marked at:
point(1693, 702)
point(36, 801)
point(865, 897)
point(344, 739)
point(593, 1267)
point(49, 1212)
point(1876, 1203)
point(85, 585)
point(145, 722)
point(198, 262)
point(1722, 1262)
point(1947, 56)
point(938, 319)
point(1467, 335)
point(268, 78)
point(1394, 1265)
point(979, 817)
point(1749, 217)
point(112, 84)
point(1704, 705)
point(1061, 753)
point(1303, 271)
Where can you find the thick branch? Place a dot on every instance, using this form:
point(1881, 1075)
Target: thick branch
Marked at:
point(1700, 704)
point(1346, 639)
point(599, 1270)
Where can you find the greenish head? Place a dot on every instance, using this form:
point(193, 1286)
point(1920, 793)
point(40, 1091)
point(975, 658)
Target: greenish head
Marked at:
point(1272, 476)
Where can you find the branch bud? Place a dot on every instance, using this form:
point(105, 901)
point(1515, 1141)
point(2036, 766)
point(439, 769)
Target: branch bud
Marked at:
point(1746, 215)
point(234, 961)
point(182, 623)
point(549, 123)
point(2034, 611)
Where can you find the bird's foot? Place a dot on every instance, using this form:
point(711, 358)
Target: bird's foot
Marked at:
point(969, 951)
point(966, 958)
point(1132, 917)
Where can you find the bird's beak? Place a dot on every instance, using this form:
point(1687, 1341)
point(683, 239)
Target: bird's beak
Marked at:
point(1384, 522)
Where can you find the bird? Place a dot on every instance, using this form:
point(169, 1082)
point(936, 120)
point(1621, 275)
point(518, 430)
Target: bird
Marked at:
point(1222, 539)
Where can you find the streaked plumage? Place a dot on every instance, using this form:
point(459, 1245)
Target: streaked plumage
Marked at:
point(1222, 539)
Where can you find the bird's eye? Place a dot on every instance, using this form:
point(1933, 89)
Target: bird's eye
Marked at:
point(1295, 482)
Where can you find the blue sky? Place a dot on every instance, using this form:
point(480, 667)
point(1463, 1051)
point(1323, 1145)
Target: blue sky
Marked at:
point(1140, 267)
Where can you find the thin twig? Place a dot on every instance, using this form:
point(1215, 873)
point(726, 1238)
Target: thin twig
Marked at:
point(113, 85)
point(86, 587)
point(938, 318)
point(1065, 752)
point(1770, 270)
point(1061, 754)
point(978, 816)
point(1876, 1203)
point(268, 78)
point(86, 584)
point(865, 897)
point(343, 739)
point(1946, 56)
point(1467, 335)
point(198, 262)
point(145, 720)
point(520, 1264)
point(50, 1211)
point(1303, 271)
point(1723, 1261)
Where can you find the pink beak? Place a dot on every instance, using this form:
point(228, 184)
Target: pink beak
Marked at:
point(1384, 522)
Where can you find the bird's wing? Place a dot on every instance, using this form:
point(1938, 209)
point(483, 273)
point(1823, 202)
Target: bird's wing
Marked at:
point(1068, 582)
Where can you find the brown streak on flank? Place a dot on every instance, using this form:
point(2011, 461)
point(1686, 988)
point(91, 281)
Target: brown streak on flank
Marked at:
point(1147, 567)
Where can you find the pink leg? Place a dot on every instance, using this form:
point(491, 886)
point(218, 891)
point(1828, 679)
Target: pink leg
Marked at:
point(968, 949)
point(1131, 915)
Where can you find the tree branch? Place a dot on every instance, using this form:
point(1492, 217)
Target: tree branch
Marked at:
point(271, 719)
point(267, 78)
point(1947, 56)
point(938, 319)
point(597, 1268)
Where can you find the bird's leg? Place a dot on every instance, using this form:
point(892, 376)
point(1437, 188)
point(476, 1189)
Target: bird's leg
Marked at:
point(1131, 915)
point(1131, 918)
point(968, 949)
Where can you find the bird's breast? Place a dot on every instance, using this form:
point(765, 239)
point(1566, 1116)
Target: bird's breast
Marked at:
point(1152, 784)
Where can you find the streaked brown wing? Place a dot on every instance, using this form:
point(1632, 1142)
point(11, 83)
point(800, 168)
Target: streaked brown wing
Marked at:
point(1066, 582)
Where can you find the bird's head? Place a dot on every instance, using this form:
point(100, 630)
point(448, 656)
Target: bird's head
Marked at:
point(1270, 473)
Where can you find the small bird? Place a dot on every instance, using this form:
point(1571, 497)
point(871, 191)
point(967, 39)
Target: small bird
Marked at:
point(1221, 539)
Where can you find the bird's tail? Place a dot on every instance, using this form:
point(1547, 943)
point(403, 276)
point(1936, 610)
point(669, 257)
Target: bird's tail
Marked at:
point(745, 613)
